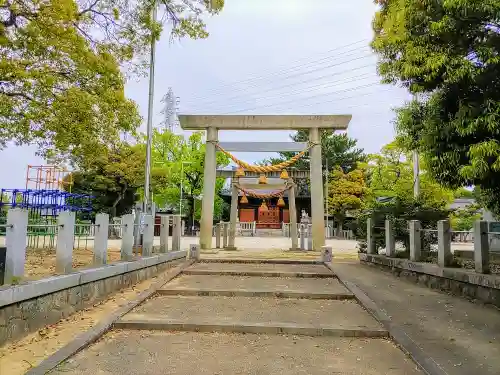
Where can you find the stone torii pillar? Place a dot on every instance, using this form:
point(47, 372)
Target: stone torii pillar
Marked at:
point(317, 207)
point(207, 209)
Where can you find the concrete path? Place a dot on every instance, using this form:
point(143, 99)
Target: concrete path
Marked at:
point(239, 319)
point(462, 337)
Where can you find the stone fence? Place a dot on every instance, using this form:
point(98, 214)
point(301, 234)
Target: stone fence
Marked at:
point(135, 234)
point(443, 275)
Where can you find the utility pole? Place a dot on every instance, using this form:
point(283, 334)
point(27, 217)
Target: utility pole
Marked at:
point(150, 117)
point(326, 191)
point(416, 175)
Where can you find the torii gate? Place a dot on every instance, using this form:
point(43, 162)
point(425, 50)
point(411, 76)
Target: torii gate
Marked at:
point(213, 123)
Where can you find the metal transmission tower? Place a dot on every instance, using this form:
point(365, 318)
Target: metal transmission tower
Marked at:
point(171, 103)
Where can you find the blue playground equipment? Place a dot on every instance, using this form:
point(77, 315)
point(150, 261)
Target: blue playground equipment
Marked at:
point(45, 203)
point(43, 208)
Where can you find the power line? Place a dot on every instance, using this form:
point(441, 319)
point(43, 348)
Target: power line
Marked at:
point(277, 70)
point(338, 99)
point(296, 83)
point(301, 90)
point(308, 98)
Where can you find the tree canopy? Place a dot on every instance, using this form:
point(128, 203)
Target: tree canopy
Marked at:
point(61, 84)
point(183, 160)
point(113, 178)
point(390, 175)
point(346, 192)
point(446, 52)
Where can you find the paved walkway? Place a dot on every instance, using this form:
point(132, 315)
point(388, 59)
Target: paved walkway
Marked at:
point(462, 337)
point(252, 319)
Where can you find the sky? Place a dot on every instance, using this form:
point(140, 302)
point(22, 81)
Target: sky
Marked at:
point(267, 57)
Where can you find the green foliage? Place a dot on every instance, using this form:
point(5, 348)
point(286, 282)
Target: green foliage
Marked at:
point(463, 219)
point(183, 160)
point(114, 178)
point(399, 212)
point(463, 193)
point(346, 192)
point(390, 175)
point(390, 180)
point(61, 86)
point(449, 52)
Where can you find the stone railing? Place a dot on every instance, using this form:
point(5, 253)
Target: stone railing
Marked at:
point(135, 235)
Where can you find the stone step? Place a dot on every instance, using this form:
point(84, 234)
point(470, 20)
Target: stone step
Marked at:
point(249, 286)
point(263, 270)
point(345, 314)
point(253, 293)
point(155, 322)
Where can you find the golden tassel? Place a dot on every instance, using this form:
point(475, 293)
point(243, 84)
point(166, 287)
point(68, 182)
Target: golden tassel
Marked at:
point(281, 202)
point(240, 172)
point(244, 199)
point(262, 179)
point(263, 206)
point(284, 175)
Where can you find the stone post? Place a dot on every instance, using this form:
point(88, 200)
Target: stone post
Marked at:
point(293, 217)
point(445, 256)
point(225, 232)
point(390, 242)
point(164, 229)
point(415, 241)
point(176, 233)
point(101, 232)
point(209, 177)
point(217, 235)
point(317, 199)
point(326, 254)
point(481, 247)
point(65, 242)
point(148, 236)
point(126, 251)
point(194, 252)
point(233, 217)
point(302, 237)
point(370, 237)
point(15, 241)
point(310, 239)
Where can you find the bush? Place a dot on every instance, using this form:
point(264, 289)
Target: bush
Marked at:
point(399, 212)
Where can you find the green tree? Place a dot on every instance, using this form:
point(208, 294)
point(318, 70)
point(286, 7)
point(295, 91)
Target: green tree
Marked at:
point(113, 178)
point(447, 52)
point(463, 219)
point(183, 160)
point(61, 86)
point(346, 192)
point(390, 175)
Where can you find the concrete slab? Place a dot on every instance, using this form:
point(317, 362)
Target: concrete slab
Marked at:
point(341, 314)
point(271, 328)
point(317, 268)
point(248, 285)
point(251, 269)
point(187, 353)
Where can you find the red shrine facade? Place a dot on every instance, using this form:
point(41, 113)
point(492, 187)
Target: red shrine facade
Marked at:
point(265, 219)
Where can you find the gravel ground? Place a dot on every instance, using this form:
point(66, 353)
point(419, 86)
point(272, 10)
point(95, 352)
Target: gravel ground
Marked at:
point(183, 353)
point(306, 285)
point(346, 314)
